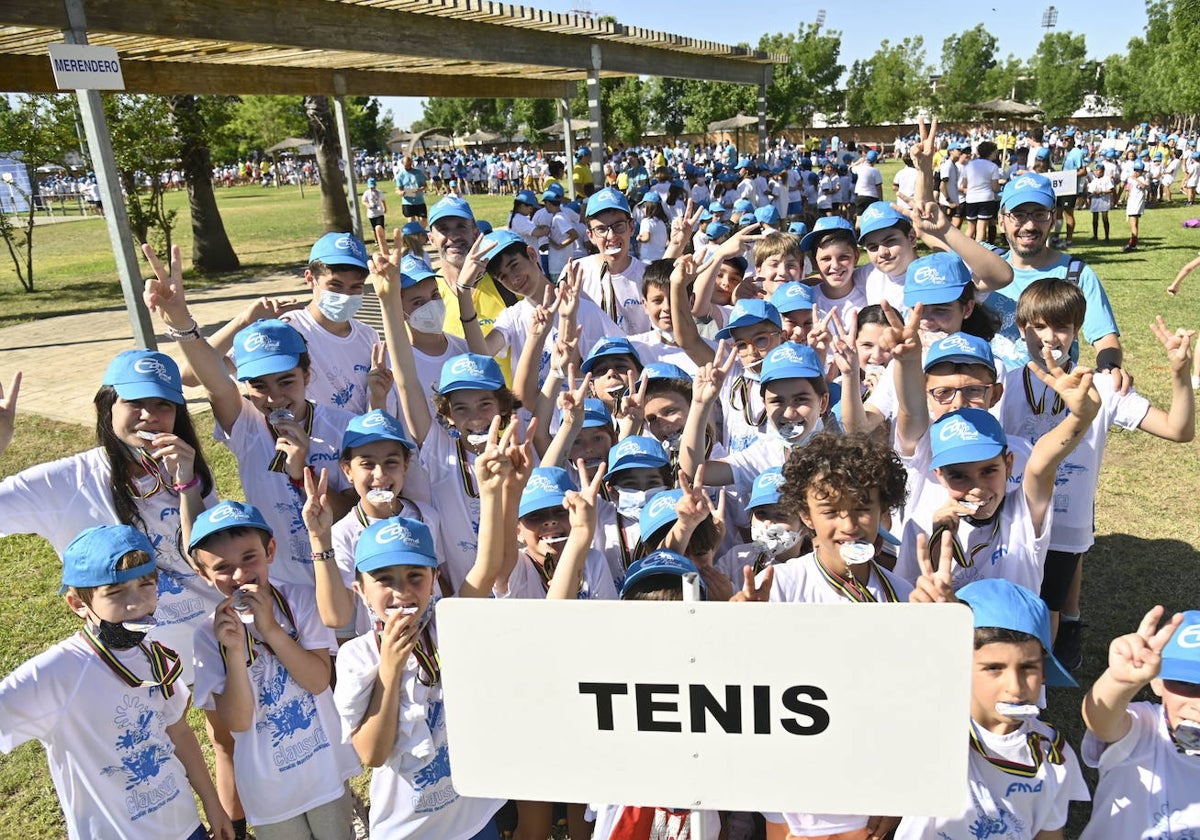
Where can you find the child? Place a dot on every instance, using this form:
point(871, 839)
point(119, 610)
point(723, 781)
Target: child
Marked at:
point(1148, 756)
point(612, 278)
point(1100, 188)
point(1173, 290)
point(658, 345)
point(1135, 202)
point(777, 260)
point(653, 230)
point(835, 251)
point(776, 535)
point(638, 470)
point(110, 708)
point(1022, 774)
point(375, 204)
point(614, 364)
point(414, 239)
point(795, 304)
point(263, 684)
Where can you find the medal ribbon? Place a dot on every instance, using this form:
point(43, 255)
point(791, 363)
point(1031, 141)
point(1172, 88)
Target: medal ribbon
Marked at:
point(852, 590)
point(165, 667)
point(252, 643)
point(956, 548)
point(1039, 406)
point(151, 467)
point(279, 461)
point(761, 562)
point(626, 558)
point(464, 470)
point(1054, 754)
point(741, 388)
point(609, 293)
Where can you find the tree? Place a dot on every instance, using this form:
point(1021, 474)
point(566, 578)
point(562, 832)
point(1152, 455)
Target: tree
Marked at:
point(37, 130)
point(665, 99)
point(1062, 75)
point(624, 108)
point(534, 115)
point(259, 122)
point(808, 83)
point(143, 150)
point(368, 130)
point(967, 58)
point(335, 214)
point(211, 249)
point(706, 102)
point(885, 87)
point(1009, 79)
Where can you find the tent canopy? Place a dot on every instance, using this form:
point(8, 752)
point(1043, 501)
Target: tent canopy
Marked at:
point(292, 143)
point(733, 123)
point(1006, 108)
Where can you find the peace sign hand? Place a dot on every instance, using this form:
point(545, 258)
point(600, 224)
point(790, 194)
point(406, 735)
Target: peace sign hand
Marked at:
point(385, 265)
point(163, 293)
point(474, 266)
point(707, 384)
point(1136, 658)
point(693, 506)
point(1075, 388)
point(902, 338)
point(934, 587)
point(380, 378)
point(571, 400)
point(922, 151)
point(581, 505)
point(1178, 344)
point(317, 513)
point(751, 591)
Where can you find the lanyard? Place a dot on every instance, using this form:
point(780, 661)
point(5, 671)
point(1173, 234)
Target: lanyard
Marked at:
point(1054, 753)
point(741, 388)
point(252, 643)
point(608, 293)
point(429, 662)
point(956, 548)
point(464, 470)
point(626, 558)
point(279, 461)
point(1039, 406)
point(850, 589)
point(152, 468)
point(165, 667)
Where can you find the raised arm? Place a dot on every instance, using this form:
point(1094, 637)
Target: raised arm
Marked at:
point(904, 341)
point(581, 511)
point(706, 388)
point(1179, 422)
point(8, 411)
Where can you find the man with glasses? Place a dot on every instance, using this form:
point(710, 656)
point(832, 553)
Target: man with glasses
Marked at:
point(1027, 216)
point(613, 278)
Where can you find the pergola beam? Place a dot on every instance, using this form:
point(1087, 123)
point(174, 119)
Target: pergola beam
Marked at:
point(320, 24)
point(32, 74)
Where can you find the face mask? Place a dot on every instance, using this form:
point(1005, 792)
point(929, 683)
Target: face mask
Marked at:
point(429, 317)
point(340, 308)
point(421, 622)
point(631, 502)
point(118, 636)
point(773, 537)
point(793, 434)
point(1187, 736)
point(667, 336)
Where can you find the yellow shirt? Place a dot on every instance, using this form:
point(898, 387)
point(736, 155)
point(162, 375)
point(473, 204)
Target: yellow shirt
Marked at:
point(488, 304)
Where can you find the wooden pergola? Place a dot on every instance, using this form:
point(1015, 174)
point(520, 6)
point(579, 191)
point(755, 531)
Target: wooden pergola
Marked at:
point(339, 48)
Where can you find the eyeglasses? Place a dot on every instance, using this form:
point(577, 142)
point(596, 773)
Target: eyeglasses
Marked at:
point(971, 393)
point(760, 342)
point(1031, 216)
point(619, 228)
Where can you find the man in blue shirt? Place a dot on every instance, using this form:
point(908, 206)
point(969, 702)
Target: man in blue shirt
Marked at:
point(410, 184)
point(1072, 162)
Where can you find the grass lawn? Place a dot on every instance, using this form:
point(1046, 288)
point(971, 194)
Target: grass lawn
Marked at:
point(1146, 520)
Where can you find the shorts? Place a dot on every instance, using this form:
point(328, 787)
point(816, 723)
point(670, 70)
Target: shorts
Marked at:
point(980, 210)
point(958, 211)
point(1065, 202)
point(862, 202)
point(333, 819)
point(411, 211)
point(374, 222)
point(1056, 580)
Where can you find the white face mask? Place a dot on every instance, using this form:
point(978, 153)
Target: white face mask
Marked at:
point(338, 307)
point(429, 317)
point(774, 538)
point(631, 502)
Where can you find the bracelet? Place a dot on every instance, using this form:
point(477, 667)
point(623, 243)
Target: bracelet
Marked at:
point(474, 317)
point(192, 333)
point(322, 556)
point(187, 485)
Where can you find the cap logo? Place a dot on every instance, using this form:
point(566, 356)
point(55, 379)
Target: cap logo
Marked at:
point(787, 354)
point(542, 483)
point(1189, 637)
point(659, 504)
point(770, 481)
point(927, 274)
point(153, 366)
point(958, 429)
point(957, 342)
point(1027, 183)
point(260, 341)
point(222, 512)
point(373, 420)
point(465, 365)
point(395, 532)
point(628, 447)
point(871, 214)
point(796, 290)
point(348, 243)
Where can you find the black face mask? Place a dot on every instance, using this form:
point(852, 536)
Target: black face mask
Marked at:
point(116, 636)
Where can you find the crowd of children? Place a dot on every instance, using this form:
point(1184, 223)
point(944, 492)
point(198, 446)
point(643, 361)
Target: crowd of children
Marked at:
point(751, 405)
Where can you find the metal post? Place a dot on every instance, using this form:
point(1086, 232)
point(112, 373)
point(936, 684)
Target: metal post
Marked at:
point(596, 141)
point(116, 219)
point(343, 130)
point(762, 112)
point(692, 594)
point(564, 111)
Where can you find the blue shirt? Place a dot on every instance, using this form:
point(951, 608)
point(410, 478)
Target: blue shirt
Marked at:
point(409, 179)
point(1073, 160)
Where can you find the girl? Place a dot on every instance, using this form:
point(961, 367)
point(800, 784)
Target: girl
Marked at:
point(520, 220)
point(414, 240)
point(654, 229)
point(1100, 188)
point(1135, 202)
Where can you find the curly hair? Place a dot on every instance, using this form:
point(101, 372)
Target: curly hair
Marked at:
point(841, 466)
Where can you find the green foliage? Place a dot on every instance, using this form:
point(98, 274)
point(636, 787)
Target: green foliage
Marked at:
point(1062, 74)
point(665, 99)
point(1136, 79)
point(368, 130)
point(255, 123)
point(144, 144)
point(624, 109)
point(967, 58)
point(809, 81)
point(1008, 79)
point(889, 84)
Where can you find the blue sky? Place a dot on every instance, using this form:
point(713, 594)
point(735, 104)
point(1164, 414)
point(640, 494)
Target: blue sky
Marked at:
point(1107, 24)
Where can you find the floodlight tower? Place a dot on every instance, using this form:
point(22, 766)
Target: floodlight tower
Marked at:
point(820, 18)
point(1049, 18)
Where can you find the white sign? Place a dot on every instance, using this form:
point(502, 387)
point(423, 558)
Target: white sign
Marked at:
point(818, 708)
point(85, 67)
point(1065, 183)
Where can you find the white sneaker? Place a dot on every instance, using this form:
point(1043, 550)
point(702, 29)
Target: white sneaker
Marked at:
point(1196, 383)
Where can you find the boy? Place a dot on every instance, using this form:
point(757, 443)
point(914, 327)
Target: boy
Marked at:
point(110, 708)
point(1022, 774)
point(835, 252)
point(375, 204)
point(1050, 313)
point(613, 277)
point(778, 259)
point(658, 345)
point(262, 678)
point(1148, 756)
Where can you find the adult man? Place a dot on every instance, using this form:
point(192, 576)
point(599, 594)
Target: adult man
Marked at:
point(581, 174)
point(1072, 162)
point(410, 185)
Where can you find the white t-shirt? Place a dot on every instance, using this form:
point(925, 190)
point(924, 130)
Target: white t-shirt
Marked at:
point(627, 289)
point(881, 287)
point(523, 226)
point(869, 183)
point(652, 348)
point(339, 364)
point(800, 580)
point(515, 321)
point(411, 794)
point(950, 177)
point(849, 304)
point(560, 228)
point(294, 757)
point(59, 499)
point(1079, 473)
point(1147, 788)
point(111, 759)
point(616, 538)
point(253, 444)
point(977, 178)
point(653, 248)
point(526, 581)
point(742, 409)
point(905, 183)
point(1003, 806)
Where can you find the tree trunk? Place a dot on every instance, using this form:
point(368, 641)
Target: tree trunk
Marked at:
point(335, 215)
point(211, 250)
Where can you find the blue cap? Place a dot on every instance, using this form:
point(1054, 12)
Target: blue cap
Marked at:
point(373, 426)
point(610, 345)
point(965, 436)
point(1181, 656)
point(661, 562)
point(716, 207)
point(791, 296)
point(651, 197)
point(552, 195)
point(412, 229)
point(872, 156)
point(370, 182)
point(1000, 603)
point(91, 558)
point(743, 205)
point(496, 241)
point(798, 229)
point(962, 348)
point(658, 513)
point(339, 249)
point(636, 451)
point(554, 189)
point(937, 278)
point(768, 215)
point(397, 541)
point(790, 361)
point(583, 151)
point(222, 517)
point(767, 488)
point(878, 216)
point(547, 487)
point(485, 227)
point(526, 197)
point(1030, 188)
point(607, 199)
point(450, 207)
point(596, 414)
point(1138, 166)
point(665, 370)
point(413, 270)
point(470, 371)
point(265, 347)
point(744, 163)
point(144, 374)
point(746, 220)
point(824, 226)
point(716, 230)
point(747, 313)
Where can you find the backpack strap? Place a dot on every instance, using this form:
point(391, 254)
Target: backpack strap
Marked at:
point(1074, 269)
